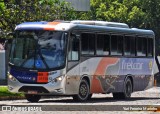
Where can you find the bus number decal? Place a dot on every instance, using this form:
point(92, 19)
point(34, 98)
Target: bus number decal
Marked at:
point(42, 77)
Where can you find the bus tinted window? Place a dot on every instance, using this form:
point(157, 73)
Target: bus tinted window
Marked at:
point(141, 46)
point(150, 47)
point(120, 45)
point(103, 42)
point(144, 47)
point(116, 45)
point(129, 46)
point(88, 43)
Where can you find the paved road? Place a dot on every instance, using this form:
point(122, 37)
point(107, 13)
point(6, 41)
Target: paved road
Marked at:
point(98, 102)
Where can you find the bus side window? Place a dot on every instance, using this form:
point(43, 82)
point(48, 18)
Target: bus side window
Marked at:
point(141, 46)
point(74, 49)
point(116, 45)
point(150, 47)
point(88, 43)
point(129, 46)
point(103, 44)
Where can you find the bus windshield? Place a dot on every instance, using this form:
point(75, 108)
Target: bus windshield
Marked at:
point(38, 49)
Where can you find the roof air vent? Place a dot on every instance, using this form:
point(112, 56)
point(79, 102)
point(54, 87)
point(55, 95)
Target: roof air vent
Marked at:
point(101, 23)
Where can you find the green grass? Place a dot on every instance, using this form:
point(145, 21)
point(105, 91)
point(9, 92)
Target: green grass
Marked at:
point(5, 93)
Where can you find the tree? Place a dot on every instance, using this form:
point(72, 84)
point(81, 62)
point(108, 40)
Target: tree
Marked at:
point(152, 19)
point(127, 11)
point(14, 12)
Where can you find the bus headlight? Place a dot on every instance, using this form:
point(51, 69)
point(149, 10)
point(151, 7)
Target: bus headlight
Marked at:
point(11, 77)
point(58, 79)
point(55, 80)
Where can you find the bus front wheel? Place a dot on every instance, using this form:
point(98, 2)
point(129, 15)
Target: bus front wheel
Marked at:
point(127, 91)
point(83, 94)
point(32, 98)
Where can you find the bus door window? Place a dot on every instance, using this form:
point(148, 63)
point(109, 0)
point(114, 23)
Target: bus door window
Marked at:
point(74, 48)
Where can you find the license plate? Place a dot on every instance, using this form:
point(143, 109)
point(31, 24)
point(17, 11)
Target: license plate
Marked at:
point(32, 92)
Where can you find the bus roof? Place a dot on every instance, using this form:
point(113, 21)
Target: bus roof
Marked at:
point(99, 26)
point(44, 26)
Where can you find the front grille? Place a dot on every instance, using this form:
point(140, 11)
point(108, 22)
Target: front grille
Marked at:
point(33, 88)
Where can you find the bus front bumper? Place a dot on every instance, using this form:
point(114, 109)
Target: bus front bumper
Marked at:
point(51, 88)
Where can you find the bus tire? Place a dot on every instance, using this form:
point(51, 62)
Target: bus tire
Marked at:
point(84, 91)
point(32, 98)
point(127, 91)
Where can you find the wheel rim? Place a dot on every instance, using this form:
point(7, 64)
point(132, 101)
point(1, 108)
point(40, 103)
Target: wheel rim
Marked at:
point(83, 91)
point(128, 89)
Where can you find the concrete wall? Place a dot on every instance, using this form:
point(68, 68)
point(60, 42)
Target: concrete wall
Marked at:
point(2, 65)
point(80, 5)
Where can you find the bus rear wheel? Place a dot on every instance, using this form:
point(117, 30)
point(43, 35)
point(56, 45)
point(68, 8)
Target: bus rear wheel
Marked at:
point(83, 94)
point(32, 98)
point(127, 91)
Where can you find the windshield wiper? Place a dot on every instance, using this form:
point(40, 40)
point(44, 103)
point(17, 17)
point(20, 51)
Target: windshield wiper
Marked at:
point(40, 54)
point(26, 60)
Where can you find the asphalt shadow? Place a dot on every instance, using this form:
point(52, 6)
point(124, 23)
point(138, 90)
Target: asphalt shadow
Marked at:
point(97, 100)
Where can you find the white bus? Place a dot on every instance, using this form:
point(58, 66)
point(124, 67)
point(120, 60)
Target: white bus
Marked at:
point(80, 58)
